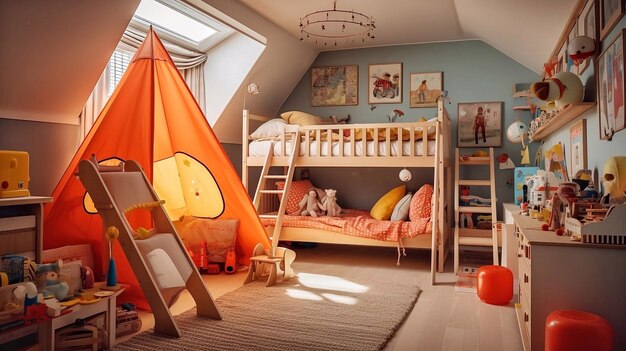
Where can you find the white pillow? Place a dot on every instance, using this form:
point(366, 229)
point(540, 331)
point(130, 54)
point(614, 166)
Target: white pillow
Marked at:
point(272, 128)
point(401, 211)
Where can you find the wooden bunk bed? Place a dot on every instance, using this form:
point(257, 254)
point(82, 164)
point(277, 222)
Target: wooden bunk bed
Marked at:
point(394, 145)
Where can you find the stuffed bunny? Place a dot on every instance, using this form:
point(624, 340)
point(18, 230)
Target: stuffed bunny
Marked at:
point(330, 203)
point(310, 205)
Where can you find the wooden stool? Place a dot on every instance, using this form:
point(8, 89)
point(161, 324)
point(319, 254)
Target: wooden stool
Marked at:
point(284, 258)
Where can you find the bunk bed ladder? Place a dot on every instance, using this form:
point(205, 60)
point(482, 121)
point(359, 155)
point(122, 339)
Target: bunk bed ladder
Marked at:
point(263, 191)
point(275, 256)
point(472, 236)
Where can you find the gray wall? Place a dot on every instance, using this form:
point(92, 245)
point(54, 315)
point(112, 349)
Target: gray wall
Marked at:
point(473, 72)
point(598, 151)
point(51, 147)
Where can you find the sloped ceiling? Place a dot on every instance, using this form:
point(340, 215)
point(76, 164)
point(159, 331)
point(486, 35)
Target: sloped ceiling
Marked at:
point(53, 54)
point(527, 30)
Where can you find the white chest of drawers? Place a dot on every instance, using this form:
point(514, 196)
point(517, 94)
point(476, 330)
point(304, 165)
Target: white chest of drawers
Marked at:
point(555, 273)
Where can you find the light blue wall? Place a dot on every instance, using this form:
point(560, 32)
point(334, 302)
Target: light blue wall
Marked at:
point(598, 151)
point(473, 71)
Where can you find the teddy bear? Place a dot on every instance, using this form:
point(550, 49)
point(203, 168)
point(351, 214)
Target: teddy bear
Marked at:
point(330, 203)
point(310, 204)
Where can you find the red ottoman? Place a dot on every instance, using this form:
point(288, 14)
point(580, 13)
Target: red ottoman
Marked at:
point(577, 331)
point(495, 285)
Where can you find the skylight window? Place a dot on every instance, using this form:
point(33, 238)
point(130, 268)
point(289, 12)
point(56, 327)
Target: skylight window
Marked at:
point(176, 22)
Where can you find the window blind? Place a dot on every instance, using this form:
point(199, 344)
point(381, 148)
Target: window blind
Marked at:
point(117, 66)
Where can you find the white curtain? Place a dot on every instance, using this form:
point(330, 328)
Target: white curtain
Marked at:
point(95, 104)
point(190, 63)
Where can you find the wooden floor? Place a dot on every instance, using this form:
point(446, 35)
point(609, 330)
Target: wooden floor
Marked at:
point(442, 319)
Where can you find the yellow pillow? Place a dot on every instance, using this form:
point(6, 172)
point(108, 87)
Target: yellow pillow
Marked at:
point(384, 206)
point(301, 118)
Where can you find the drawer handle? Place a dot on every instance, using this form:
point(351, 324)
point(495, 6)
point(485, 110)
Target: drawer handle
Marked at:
point(525, 278)
point(519, 255)
point(525, 317)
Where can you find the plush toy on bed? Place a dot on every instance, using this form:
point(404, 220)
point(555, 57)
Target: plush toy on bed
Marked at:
point(330, 203)
point(310, 204)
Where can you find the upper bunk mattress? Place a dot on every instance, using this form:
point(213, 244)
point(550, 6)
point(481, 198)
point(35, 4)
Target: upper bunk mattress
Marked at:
point(260, 148)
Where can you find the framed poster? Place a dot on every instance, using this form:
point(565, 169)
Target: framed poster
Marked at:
point(479, 124)
point(610, 80)
point(611, 11)
point(425, 89)
point(578, 146)
point(335, 86)
point(385, 83)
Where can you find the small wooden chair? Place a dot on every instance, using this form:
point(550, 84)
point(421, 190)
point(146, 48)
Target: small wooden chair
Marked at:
point(283, 259)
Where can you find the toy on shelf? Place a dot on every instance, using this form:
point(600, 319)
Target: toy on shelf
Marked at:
point(614, 178)
point(606, 228)
point(110, 235)
point(49, 281)
point(564, 88)
point(14, 174)
point(554, 217)
point(541, 187)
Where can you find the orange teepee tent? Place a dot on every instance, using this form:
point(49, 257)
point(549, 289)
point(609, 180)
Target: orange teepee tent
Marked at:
point(153, 118)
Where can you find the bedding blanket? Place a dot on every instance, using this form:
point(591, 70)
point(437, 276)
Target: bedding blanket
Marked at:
point(358, 223)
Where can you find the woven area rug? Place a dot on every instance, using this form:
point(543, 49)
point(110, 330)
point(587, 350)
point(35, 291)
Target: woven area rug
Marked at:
point(311, 312)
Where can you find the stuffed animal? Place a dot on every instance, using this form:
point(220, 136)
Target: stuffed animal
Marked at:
point(330, 203)
point(564, 88)
point(310, 205)
point(49, 283)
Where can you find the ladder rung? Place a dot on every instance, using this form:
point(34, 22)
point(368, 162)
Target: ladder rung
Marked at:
point(274, 176)
point(472, 160)
point(268, 216)
point(473, 241)
point(475, 209)
point(472, 182)
point(271, 191)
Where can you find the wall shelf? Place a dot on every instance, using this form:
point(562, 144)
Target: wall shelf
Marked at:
point(561, 119)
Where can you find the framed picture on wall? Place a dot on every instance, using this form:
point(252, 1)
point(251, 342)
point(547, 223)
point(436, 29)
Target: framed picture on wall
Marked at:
point(610, 80)
point(479, 124)
point(335, 86)
point(425, 89)
point(611, 11)
point(578, 146)
point(385, 83)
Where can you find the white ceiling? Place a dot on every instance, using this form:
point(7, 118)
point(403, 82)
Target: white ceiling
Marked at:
point(525, 30)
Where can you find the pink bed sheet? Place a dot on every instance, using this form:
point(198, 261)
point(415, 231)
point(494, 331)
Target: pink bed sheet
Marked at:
point(359, 223)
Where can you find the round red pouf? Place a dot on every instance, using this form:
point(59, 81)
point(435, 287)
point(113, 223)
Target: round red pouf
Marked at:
point(568, 330)
point(495, 285)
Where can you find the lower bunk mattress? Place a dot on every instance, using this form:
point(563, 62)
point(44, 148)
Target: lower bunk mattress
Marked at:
point(260, 148)
point(358, 223)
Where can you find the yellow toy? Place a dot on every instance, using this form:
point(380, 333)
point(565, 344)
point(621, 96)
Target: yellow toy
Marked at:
point(14, 176)
point(614, 178)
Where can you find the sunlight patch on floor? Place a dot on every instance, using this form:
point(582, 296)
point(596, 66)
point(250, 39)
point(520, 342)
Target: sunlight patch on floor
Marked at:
point(327, 282)
point(303, 295)
point(344, 300)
